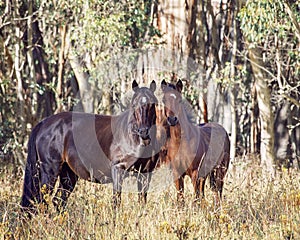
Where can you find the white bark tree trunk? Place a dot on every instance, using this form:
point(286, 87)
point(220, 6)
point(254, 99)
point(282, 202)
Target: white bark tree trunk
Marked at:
point(18, 68)
point(233, 90)
point(30, 59)
point(265, 112)
point(85, 92)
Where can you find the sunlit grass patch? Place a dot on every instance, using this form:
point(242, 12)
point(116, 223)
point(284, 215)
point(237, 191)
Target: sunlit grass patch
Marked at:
point(252, 207)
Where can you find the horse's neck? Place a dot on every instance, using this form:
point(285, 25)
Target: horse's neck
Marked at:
point(175, 133)
point(181, 130)
point(186, 127)
point(121, 125)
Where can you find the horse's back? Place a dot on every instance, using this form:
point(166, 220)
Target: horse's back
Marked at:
point(79, 139)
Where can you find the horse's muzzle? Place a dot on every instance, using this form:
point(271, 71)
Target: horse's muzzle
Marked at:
point(144, 136)
point(172, 120)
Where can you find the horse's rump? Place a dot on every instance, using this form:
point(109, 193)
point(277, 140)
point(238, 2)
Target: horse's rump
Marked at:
point(213, 147)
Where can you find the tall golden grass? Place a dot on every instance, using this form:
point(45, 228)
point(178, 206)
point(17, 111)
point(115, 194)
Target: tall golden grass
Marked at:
point(252, 208)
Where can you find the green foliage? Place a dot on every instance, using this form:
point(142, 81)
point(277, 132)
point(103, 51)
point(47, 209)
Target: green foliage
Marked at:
point(6, 135)
point(99, 24)
point(9, 123)
point(267, 26)
point(109, 26)
point(259, 19)
point(100, 31)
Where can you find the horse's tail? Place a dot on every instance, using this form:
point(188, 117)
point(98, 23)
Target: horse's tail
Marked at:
point(31, 178)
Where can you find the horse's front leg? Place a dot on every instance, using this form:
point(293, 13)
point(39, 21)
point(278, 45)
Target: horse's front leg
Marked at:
point(179, 184)
point(201, 187)
point(143, 181)
point(67, 182)
point(117, 172)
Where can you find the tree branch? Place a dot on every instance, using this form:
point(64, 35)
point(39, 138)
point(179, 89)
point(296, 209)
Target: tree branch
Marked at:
point(293, 19)
point(292, 100)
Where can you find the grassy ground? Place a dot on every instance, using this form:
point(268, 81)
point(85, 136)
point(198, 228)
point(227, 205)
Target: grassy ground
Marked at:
point(252, 208)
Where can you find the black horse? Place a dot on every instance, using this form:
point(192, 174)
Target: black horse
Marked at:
point(96, 148)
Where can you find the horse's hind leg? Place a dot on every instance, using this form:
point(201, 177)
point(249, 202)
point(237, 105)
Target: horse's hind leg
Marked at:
point(49, 171)
point(40, 178)
point(217, 181)
point(219, 175)
point(67, 182)
point(31, 187)
point(216, 186)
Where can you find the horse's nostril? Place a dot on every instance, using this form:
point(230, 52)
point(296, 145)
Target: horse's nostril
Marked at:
point(143, 132)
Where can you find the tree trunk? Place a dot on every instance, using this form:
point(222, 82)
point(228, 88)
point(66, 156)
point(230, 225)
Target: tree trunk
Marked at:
point(20, 123)
point(18, 68)
point(265, 112)
point(107, 102)
point(283, 135)
point(254, 128)
point(233, 90)
point(201, 59)
point(293, 18)
point(61, 64)
point(172, 23)
point(45, 99)
point(191, 8)
point(30, 59)
point(85, 92)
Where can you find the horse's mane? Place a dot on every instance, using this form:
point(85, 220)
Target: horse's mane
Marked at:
point(123, 103)
point(192, 117)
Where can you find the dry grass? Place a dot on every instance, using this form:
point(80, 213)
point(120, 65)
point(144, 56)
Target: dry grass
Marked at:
point(252, 208)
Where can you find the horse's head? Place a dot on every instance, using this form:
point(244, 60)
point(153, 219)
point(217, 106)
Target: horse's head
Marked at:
point(172, 101)
point(143, 106)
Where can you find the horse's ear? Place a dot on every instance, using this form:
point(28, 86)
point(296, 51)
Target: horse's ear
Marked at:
point(179, 86)
point(163, 84)
point(135, 85)
point(153, 86)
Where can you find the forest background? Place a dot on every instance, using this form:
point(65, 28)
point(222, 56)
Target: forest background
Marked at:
point(241, 59)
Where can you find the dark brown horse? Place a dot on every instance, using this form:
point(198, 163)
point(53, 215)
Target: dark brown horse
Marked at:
point(96, 148)
point(196, 151)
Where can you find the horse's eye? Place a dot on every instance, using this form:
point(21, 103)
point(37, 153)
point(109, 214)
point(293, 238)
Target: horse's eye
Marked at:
point(134, 126)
